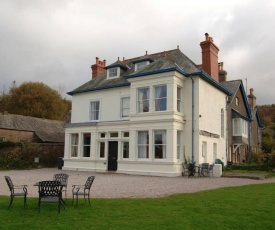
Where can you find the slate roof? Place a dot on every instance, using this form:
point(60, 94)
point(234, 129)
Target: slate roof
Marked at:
point(172, 60)
point(46, 130)
point(233, 87)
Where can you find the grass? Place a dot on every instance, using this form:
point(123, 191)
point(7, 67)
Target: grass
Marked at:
point(246, 207)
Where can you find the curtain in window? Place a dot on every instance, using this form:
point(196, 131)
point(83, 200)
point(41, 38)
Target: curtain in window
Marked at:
point(74, 145)
point(125, 106)
point(143, 141)
point(143, 99)
point(160, 98)
point(94, 110)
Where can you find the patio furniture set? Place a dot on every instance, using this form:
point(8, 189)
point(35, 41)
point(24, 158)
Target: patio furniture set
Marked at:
point(50, 191)
point(202, 170)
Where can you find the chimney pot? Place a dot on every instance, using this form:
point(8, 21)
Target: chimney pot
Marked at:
point(206, 36)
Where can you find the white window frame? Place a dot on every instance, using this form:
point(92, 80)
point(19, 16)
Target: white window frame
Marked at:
point(140, 65)
point(94, 111)
point(163, 145)
point(113, 72)
point(159, 98)
point(125, 109)
point(74, 145)
point(141, 103)
point(2, 139)
point(143, 144)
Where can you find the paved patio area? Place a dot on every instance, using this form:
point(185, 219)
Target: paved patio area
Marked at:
point(112, 185)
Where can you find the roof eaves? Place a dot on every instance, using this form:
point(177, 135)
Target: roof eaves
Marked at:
point(98, 88)
point(259, 120)
point(242, 116)
point(117, 65)
point(142, 60)
point(205, 76)
point(155, 72)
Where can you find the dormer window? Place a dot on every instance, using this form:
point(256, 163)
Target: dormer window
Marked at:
point(113, 72)
point(140, 65)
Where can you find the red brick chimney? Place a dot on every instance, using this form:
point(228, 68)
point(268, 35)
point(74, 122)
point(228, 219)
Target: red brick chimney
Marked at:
point(210, 57)
point(98, 67)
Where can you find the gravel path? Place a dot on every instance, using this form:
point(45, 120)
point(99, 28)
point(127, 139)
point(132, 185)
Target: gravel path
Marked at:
point(112, 185)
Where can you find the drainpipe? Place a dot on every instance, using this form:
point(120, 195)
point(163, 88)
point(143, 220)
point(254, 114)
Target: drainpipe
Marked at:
point(193, 123)
point(226, 128)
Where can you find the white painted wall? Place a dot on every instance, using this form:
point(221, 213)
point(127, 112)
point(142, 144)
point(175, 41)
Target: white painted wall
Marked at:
point(109, 104)
point(207, 100)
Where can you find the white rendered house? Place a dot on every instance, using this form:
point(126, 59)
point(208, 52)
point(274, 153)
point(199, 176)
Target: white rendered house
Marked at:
point(146, 115)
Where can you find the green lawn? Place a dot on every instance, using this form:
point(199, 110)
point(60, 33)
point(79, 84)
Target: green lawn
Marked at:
point(246, 207)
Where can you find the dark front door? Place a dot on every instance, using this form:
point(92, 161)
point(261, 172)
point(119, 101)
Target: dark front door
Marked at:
point(112, 156)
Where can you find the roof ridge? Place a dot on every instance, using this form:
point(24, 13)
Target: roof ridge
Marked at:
point(153, 54)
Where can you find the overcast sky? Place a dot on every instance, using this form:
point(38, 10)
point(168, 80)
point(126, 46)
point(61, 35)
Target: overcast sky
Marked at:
point(56, 41)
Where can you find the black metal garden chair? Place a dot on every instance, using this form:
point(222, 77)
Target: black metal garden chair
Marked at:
point(63, 178)
point(83, 190)
point(16, 190)
point(50, 192)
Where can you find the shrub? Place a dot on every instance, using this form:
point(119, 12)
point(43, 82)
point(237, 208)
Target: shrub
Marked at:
point(252, 167)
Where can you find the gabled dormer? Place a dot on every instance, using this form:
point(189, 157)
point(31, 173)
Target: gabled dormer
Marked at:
point(114, 70)
point(141, 63)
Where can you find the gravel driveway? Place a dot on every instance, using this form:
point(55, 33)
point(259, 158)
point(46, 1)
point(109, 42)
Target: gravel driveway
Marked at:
point(112, 185)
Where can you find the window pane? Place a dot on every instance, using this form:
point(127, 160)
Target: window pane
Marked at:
point(143, 100)
point(95, 110)
point(74, 145)
point(113, 72)
point(140, 65)
point(102, 149)
point(125, 107)
point(114, 134)
point(143, 144)
point(126, 134)
point(102, 135)
point(160, 144)
point(125, 149)
point(86, 144)
point(160, 98)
